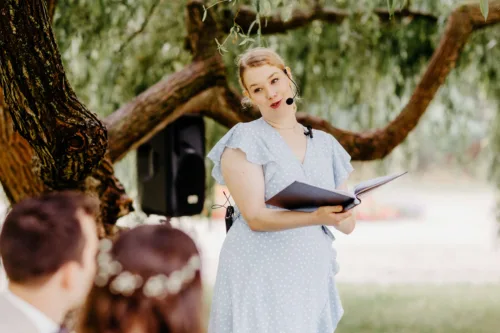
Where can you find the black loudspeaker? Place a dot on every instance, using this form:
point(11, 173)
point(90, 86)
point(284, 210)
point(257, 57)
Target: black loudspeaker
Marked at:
point(171, 169)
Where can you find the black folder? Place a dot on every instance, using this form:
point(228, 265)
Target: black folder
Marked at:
point(307, 198)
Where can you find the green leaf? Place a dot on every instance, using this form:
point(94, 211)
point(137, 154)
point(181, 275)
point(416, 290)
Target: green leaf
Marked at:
point(247, 40)
point(251, 27)
point(287, 12)
point(204, 14)
point(483, 4)
point(266, 8)
point(391, 6)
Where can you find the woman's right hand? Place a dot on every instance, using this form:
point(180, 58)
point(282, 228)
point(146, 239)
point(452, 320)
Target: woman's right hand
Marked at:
point(331, 215)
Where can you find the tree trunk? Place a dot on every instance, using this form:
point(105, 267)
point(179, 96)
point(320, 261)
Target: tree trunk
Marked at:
point(16, 170)
point(68, 139)
point(51, 8)
point(51, 140)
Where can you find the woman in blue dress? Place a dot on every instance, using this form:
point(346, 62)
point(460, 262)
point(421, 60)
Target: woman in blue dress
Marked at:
point(277, 268)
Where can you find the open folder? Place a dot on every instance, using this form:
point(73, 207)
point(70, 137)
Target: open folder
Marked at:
point(307, 198)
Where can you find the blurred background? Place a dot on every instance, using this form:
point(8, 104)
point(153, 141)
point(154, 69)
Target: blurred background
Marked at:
point(425, 255)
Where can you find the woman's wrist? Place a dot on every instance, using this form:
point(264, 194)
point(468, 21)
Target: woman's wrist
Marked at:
point(314, 218)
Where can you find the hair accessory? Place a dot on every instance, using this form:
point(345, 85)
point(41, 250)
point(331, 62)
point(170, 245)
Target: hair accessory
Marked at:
point(126, 283)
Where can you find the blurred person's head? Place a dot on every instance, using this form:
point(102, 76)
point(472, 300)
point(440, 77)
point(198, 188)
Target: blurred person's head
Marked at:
point(148, 281)
point(48, 246)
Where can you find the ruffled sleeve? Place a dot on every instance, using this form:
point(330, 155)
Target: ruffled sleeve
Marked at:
point(247, 140)
point(342, 167)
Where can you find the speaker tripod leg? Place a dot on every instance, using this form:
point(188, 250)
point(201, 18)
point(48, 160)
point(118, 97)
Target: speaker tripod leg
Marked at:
point(166, 221)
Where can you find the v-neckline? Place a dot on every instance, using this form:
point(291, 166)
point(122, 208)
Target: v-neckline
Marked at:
point(290, 150)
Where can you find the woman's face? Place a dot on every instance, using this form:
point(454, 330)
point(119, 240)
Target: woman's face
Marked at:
point(268, 87)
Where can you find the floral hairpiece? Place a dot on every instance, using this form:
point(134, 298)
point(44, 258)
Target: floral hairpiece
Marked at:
point(126, 283)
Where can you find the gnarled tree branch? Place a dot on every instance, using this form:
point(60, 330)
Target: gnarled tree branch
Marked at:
point(140, 119)
point(473, 13)
point(379, 143)
point(137, 121)
point(273, 24)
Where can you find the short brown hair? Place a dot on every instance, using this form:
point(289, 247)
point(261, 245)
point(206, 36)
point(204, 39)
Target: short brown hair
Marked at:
point(148, 250)
point(41, 234)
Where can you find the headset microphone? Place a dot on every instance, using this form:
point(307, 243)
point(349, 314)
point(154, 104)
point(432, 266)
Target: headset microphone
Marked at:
point(290, 100)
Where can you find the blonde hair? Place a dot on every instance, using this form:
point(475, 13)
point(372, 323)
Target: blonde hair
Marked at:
point(257, 57)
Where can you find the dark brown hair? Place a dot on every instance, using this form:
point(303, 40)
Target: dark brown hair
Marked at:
point(147, 250)
point(41, 234)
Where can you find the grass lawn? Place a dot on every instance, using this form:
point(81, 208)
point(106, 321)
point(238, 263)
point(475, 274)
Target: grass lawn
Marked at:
point(449, 308)
point(457, 308)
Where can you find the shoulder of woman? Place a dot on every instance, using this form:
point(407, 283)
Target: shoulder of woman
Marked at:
point(321, 135)
point(252, 130)
point(246, 126)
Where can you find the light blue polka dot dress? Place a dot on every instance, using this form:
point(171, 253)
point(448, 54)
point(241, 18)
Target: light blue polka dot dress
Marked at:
point(280, 281)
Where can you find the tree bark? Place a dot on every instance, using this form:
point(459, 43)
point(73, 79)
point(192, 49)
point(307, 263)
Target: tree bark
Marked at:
point(151, 111)
point(473, 13)
point(201, 33)
point(48, 113)
point(51, 8)
point(115, 202)
point(16, 170)
point(69, 140)
point(20, 181)
point(17, 176)
point(226, 108)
